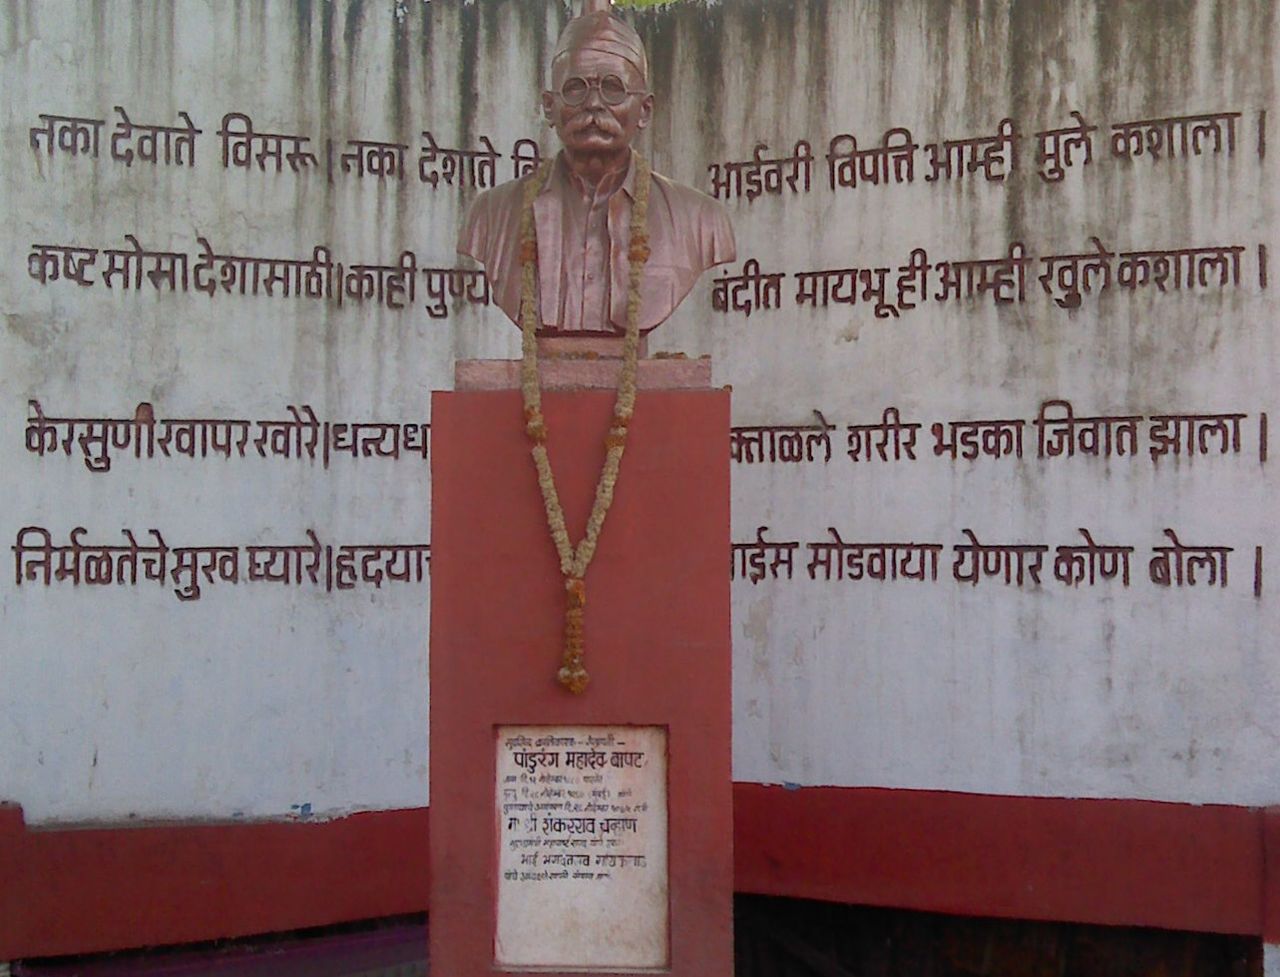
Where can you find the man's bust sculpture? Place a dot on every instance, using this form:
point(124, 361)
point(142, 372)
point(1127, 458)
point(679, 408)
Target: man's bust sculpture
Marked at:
point(598, 101)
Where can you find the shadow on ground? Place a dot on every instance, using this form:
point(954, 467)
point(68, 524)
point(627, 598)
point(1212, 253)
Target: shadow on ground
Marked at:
point(774, 937)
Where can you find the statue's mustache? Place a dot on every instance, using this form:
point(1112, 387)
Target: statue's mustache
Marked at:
point(600, 119)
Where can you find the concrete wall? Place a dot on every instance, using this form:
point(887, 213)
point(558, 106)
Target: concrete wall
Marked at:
point(262, 699)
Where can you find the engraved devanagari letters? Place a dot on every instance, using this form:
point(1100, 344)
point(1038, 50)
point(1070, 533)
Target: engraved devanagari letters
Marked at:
point(582, 829)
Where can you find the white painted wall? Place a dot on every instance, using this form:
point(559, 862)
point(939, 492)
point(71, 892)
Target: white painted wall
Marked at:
point(258, 699)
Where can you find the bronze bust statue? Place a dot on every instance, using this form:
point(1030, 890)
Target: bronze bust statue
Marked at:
point(598, 102)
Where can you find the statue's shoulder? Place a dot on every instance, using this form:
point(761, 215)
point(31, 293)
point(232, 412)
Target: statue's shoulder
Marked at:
point(497, 203)
point(504, 194)
point(492, 219)
point(699, 220)
point(686, 198)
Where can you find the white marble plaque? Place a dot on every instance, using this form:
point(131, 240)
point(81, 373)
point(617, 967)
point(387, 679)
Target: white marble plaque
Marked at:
point(582, 848)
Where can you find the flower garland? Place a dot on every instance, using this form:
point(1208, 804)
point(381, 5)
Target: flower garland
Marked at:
point(575, 560)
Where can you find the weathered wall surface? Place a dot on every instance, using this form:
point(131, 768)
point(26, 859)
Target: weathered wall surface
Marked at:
point(263, 697)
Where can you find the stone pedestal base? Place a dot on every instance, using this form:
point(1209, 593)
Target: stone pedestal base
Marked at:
point(557, 822)
point(584, 364)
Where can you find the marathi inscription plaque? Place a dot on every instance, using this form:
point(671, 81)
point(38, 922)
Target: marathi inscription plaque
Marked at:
point(582, 848)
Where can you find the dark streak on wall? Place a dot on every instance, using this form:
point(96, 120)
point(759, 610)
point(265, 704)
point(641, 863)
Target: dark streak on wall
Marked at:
point(468, 55)
point(326, 60)
point(426, 50)
point(302, 14)
point(527, 20)
point(710, 59)
point(351, 26)
point(400, 80)
point(1026, 20)
point(659, 42)
point(817, 77)
point(1137, 42)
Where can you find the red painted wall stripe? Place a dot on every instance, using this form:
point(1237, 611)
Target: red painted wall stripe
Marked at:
point(76, 891)
point(1271, 875)
point(1120, 862)
point(1211, 868)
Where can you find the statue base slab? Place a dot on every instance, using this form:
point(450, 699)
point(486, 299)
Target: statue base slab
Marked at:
point(580, 369)
point(589, 833)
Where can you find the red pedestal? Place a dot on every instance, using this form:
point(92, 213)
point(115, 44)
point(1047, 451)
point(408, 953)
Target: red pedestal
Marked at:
point(657, 639)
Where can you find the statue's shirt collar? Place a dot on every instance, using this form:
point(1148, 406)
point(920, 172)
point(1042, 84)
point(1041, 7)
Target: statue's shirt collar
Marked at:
point(564, 179)
point(582, 248)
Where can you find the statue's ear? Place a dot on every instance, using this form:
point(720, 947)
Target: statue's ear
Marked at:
point(646, 112)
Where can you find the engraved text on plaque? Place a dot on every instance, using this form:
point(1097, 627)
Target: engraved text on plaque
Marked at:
point(582, 848)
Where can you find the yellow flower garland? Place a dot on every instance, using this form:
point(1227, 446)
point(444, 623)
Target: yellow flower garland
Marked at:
point(575, 560)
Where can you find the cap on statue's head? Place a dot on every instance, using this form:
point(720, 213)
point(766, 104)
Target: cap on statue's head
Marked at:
point(597, 29)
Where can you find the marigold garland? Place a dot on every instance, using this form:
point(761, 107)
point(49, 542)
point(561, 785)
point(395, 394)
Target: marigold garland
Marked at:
point(575, 560)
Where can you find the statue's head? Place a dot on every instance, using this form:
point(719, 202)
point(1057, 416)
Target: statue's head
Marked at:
point(599, 97)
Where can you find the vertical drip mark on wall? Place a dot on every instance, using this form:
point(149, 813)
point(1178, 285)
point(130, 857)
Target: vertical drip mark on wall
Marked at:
point(326, 59)
point(1262, 437)
point(400, 79)
point(1262, 266)
point(1262, 134)
point(469, 31)
point(1257, 571)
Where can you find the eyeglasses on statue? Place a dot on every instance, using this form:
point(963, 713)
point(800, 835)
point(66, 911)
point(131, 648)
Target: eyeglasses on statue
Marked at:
point(613, 90)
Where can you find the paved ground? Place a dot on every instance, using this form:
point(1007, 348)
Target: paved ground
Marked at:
point(774, 937)
point(396, 948)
